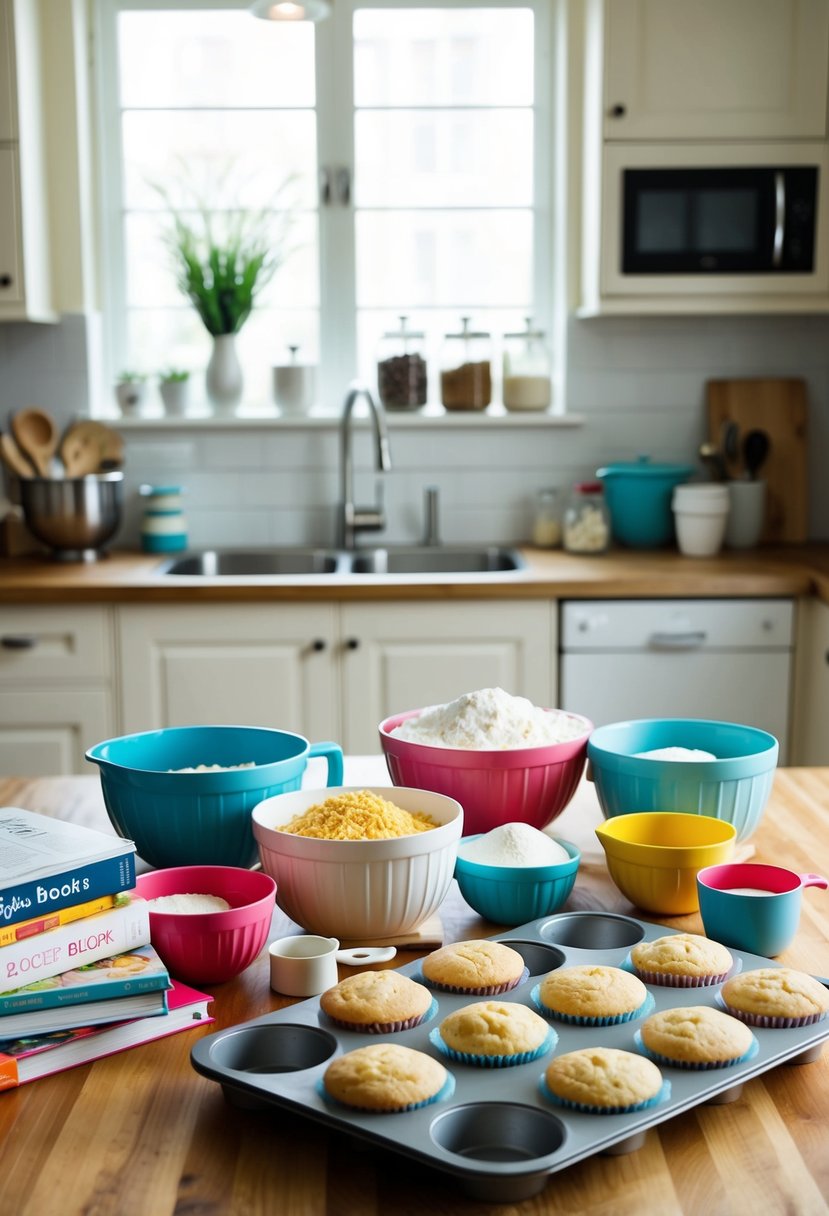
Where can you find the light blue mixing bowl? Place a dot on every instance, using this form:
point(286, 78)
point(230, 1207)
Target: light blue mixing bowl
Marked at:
point(638, 496)
point(201, 818)
point(734, 787)
point(512, 895)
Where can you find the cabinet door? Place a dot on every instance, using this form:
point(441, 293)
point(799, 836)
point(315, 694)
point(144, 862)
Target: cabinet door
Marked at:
point(8, 88)
point(45, 732)
point(399, 656)
point(246, 665)
point(715, 68)
point(810, 730)
point(11, 276)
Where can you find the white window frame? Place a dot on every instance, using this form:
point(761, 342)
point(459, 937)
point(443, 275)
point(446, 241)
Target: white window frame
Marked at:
point(335, 146)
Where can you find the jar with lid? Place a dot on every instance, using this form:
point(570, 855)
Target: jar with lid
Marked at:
point(401, 369)
point(547, 519)
point(466, 372)
point(164, 526)
point(527, 370)
point(586, 519)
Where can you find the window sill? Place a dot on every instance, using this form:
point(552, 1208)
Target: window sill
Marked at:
point(251, 418)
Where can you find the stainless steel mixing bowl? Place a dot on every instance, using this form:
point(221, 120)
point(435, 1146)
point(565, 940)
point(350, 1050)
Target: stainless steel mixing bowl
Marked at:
point(74, 516)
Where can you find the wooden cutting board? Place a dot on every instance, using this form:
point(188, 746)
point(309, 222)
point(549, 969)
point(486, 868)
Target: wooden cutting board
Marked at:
point(778, 407)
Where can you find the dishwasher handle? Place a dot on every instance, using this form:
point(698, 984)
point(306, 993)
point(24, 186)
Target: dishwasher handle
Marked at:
point(692, 639)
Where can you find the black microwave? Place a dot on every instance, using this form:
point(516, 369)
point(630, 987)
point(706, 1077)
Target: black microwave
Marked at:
point(719, 220)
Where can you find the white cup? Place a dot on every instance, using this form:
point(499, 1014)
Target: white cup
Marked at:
point(294, 386)
point(700, 516)
point(305, 965)
point(747, 515)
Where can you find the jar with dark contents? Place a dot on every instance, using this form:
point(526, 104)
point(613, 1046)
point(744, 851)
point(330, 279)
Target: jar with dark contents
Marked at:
point(466, 372)
point(401, 369)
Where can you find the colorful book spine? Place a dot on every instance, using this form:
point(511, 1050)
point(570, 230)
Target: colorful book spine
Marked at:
point(124, 927)
point(133, 972)
point(25, 900)
point(51, 920)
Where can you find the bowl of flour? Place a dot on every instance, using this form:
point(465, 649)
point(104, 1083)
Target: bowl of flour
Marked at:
point(515, 873)
point(502, 757)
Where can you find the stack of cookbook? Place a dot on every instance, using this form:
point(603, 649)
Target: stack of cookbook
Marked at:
point(79, 978)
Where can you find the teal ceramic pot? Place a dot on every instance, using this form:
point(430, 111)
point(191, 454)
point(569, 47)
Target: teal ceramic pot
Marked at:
point(638, 496)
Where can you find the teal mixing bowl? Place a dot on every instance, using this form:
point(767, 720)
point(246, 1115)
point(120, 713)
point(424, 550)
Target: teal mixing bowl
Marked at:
point(735, 786)
point(638, 496)
point(513, 895)
point(203, 817)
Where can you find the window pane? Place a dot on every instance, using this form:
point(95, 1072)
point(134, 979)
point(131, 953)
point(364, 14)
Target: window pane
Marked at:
point(214, 58)
point(444, 158)
point(439, 57)
point(464, 259)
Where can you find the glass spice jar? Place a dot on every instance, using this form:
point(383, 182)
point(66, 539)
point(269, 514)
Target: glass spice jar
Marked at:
point(586, 519)
point(527, 371)
point(401, 369)
point(466, 371)
point(547, 520)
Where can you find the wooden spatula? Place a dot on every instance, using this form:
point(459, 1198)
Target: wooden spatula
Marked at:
point(13, 458)
point(37, 436)
point(87, 445)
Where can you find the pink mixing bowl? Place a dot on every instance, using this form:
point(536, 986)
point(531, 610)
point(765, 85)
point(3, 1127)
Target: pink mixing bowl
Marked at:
point(520, 785)
point(210, 947)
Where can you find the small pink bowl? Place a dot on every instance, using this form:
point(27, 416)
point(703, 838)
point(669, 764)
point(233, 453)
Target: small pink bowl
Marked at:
point(518, 785)
point(210, 947)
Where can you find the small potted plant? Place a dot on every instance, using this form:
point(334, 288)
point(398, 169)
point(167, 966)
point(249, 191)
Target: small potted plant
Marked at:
point(174, 386)
point(130, 390)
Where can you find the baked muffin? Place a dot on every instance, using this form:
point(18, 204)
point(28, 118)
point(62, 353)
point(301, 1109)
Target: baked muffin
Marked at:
point(479, 968)
point(385, 1077)
point(604, 1081)
point(776, 997)
point(696, 1036)
point(493, 1034)
point(592, 995)
point(681, 960)
point(376, 1002)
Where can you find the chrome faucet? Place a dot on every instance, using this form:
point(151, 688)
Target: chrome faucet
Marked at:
point(353, 519)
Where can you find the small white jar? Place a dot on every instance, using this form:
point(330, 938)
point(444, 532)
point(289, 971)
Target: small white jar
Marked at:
point(700, 517)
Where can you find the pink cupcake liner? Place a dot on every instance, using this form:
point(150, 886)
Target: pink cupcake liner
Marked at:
point(490, 990)
point(679, 981)
point(386, 1027)
point(767, 1022)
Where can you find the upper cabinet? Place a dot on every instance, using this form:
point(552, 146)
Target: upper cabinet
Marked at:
point(25, 282)
point(715, 69)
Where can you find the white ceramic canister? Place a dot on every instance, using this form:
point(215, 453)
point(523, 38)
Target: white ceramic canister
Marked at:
point(700, 517)
point(747, 516)
point(294, 385)
point(164, 526)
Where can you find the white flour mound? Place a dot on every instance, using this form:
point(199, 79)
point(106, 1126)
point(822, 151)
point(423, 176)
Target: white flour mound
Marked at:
point(188, 904)
point(675, 753)
point(514, 844)
point(212, 768)
point(489, 720)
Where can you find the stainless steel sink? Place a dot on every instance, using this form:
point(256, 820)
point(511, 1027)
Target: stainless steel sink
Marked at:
point(241, 563)
point(443, 559)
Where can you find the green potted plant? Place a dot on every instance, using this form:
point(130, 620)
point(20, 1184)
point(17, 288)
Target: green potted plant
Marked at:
point(174, 386)
point(223, 258)
point(130, 390)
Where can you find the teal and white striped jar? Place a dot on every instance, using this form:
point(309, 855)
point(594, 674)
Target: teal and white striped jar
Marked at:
point(164, 527)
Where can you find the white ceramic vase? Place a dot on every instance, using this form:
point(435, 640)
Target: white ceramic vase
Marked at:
point(224, 381)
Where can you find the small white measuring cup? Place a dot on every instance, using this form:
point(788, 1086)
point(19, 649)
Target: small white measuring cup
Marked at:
point(306, 965)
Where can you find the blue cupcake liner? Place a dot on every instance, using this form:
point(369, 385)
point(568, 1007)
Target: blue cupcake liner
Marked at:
point(479, 1061)
point(662, 1096)
point(692, 1065)
point(446, 1091)
point(644, 1009)
point(384, 1027)
point(489, 990)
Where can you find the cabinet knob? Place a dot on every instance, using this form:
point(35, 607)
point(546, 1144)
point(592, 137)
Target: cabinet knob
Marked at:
point(617, 111)
point(6, 280)
point(319, 644)
point(18, 641)
point(352, 643)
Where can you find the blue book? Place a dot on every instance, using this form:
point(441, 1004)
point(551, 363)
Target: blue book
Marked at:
point(47, 864)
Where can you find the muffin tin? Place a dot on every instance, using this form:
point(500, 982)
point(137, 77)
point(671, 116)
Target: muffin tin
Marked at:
point(496, 1134)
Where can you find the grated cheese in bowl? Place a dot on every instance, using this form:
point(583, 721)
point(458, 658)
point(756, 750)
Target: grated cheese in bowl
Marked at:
point(357, 815)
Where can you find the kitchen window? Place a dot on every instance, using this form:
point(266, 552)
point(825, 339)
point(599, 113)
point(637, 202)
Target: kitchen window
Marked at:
point(418, 140)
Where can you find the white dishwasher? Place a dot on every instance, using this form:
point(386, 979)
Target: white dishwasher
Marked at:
point(729, 660)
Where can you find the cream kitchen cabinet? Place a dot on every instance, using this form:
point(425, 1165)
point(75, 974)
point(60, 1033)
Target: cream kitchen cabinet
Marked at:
point(327, 671)
point(810, 731)
point(714, 69)
point(56, 687)
point(399, 656)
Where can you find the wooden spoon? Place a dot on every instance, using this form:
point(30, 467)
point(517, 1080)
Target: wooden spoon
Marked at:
point(88, 445)
point(37, 435)
point(13, 458)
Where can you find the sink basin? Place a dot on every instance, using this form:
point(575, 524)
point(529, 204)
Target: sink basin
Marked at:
point(478, 559)
point(240, 563)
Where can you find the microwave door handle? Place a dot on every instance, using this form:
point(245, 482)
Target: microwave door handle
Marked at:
point(779, 217)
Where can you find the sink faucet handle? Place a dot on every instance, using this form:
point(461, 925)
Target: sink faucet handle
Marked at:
point(431, 530)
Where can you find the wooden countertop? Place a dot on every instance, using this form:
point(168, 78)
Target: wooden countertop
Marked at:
point(622, 574)
point(142, 1134)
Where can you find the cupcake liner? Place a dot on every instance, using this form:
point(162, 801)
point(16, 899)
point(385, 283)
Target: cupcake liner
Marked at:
point(446, 1091)
point(661, 980)
point(480, 1061)
point(385, 1027)
point(645, 1008)
point(694, 1065)
point(662, 1096)
point(489, 990)
point(768, 1022)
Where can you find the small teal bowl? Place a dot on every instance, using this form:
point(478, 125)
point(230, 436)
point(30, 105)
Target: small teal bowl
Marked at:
point(513, 895)
point(201, 818)
point(638, 496)
point(734, 787)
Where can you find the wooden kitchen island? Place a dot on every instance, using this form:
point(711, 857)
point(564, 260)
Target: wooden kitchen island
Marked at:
point(142, 1134)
